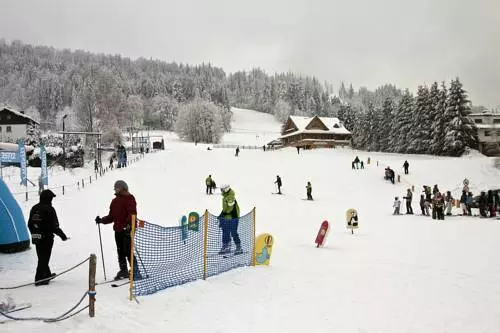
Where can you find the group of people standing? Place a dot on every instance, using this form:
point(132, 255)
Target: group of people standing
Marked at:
point(488, 203)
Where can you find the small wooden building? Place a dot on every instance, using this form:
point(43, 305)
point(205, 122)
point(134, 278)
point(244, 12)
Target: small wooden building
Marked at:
point(314, 132)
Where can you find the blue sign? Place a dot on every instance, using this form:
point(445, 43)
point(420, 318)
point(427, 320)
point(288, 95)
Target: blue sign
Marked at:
point(43, 159)
point(22, 159)
point(9, 157)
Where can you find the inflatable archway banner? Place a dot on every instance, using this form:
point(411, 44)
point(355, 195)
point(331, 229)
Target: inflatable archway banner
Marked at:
point(14, 234)
point(263, 249)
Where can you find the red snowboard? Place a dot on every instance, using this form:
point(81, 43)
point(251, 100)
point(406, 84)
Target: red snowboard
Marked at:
point(322, 233)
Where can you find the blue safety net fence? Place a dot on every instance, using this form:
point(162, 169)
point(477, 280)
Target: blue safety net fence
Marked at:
point(171, 256)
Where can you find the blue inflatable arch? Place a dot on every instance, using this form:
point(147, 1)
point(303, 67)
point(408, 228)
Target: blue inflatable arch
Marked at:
point(14, 234)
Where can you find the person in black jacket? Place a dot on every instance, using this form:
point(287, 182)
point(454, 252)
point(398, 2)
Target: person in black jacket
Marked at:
point(406, 165)
point(278, 183)
point(43, 224)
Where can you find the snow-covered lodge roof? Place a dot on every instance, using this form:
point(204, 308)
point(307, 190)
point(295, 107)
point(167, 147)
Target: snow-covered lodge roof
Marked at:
point(20, 115)
point(313, 125)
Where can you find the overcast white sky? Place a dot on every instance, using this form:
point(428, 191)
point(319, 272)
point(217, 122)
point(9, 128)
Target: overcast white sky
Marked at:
point(366, 42)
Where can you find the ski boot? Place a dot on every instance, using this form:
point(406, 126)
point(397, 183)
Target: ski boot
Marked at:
point(225, 249)
point(238, 250)
point(122, 274)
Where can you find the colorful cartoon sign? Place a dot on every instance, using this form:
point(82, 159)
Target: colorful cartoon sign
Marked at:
point(183, 222)
point(194, 221)
point(263, 249)
point(351, 217)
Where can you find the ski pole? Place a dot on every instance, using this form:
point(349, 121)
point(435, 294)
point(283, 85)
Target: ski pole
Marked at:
point(102, 254)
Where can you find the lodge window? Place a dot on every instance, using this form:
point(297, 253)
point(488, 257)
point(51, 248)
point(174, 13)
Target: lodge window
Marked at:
point(478, 121)
point(0, 129)
point(487, 133)
point(496, 121)
point(9, 129)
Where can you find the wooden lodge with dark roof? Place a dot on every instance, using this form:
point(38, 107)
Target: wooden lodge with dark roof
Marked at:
point(314, 132)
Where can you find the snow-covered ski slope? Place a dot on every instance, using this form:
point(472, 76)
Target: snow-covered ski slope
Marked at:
point(251, 128)
point(395, 274)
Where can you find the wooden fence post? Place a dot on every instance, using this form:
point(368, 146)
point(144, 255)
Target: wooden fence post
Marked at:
point(63, 189)
point(92, 270)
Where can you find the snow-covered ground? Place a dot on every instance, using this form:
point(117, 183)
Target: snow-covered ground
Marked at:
point(252, 128)
point(395, 274)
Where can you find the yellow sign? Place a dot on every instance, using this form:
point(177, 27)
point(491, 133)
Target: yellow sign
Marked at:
point(263, 249)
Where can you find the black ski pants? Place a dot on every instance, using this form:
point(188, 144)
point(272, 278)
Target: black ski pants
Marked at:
point(123, 243)
point(409, 209)
point(43, 252)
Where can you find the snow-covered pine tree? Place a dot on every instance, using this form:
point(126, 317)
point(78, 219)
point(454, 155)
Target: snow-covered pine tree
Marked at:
point(402, 124)
point(386, 127)
point(349, 117)
point(361, 125)
point(437, 100)
point(421, 123)
point(459, 129)
point(373, 134)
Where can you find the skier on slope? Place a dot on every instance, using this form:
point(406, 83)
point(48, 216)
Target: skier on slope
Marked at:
point(309, 191)
point(438, 206)
point(228, 220)
point(278, 183)
point(43, 224)
point(406, 165)
point(122, 207)
point(396, 205)
point(408, 197)
point(209, 183)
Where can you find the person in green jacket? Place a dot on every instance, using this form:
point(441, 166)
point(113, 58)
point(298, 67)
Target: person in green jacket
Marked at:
point(228, 220)
point(210, 184)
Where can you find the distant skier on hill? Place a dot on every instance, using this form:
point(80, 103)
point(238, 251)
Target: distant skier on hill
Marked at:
point(406, 165)
point(209, 183)
point(309, 191)
point(237, 151)
point(278, 183)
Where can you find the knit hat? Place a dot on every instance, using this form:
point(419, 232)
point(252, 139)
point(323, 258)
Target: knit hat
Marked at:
point(120, 184)
point(224, 188)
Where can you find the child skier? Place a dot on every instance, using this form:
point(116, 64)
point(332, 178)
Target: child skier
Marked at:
point(397, 206)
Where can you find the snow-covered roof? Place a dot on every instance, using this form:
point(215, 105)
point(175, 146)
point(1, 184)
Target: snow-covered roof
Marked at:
point(330, 123)
point(301, 122)
point(488, 126)
point(18, 113)
point(484, 114)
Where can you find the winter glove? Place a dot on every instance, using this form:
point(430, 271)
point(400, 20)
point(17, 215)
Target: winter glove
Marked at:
point(98, 220)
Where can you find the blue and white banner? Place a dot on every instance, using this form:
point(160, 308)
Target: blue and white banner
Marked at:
point(9, 157)
point(43, 159)
point(22, 161)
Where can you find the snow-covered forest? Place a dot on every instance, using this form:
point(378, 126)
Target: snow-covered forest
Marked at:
point(107, 92)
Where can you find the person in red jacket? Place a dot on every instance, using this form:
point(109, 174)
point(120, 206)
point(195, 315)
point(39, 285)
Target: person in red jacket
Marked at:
point(122, 207)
